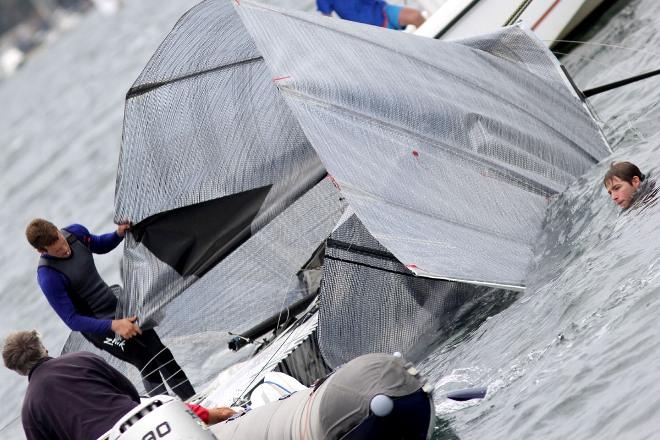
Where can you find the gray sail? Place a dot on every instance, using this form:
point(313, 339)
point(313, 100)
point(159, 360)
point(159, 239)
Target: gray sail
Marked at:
point(210, 155)
point(203, 121)
point(447, 152)
point(371, 303)
point(259, 279)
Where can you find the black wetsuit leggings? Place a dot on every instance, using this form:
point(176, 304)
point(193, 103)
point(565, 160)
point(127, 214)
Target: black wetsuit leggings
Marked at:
point(148, 354)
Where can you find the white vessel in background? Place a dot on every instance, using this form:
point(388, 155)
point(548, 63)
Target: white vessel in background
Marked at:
point(551, 20)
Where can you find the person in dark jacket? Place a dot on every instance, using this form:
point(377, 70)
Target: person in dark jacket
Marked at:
point(73, 287)
point(74, 396)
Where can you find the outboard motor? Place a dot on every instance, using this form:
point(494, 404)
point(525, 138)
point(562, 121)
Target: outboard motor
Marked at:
point(160, 417)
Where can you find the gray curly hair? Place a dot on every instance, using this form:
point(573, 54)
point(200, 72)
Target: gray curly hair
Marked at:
point(22, 351)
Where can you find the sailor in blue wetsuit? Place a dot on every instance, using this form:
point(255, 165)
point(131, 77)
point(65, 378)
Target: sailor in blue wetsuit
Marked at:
point(68, 278)
point(375, 12)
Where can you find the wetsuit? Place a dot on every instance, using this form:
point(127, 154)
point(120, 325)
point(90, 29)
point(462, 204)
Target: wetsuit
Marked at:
point(78, 294)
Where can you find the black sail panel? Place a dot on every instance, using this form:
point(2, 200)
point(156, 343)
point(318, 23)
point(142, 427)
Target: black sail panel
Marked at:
point(194, 238)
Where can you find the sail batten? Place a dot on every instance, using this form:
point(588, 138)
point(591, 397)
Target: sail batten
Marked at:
point(147, 87)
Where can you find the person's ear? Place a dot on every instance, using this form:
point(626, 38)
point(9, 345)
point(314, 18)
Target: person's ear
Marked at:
point(42, 250)
point(636, 181)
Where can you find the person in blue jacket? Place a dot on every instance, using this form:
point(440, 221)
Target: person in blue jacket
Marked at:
point(374, 12)
point(73, 287)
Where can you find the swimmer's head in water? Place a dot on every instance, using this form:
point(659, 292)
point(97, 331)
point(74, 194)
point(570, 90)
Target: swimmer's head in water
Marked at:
point(622, 181)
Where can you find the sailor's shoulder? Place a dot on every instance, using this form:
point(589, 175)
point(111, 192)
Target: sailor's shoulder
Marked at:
point(80, 355)
point(77, 229)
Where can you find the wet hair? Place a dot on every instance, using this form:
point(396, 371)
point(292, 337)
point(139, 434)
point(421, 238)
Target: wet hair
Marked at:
point(624, 171)
point(41, 233)
point(22, 351)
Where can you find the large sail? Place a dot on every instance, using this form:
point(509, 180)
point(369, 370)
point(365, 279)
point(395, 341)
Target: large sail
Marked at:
point(447, 152)
point(210, 154)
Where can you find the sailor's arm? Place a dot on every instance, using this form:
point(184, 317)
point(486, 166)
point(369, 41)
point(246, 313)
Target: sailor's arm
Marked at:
point(324, 7)
point(34, 426)
point(99, 244)
point(219, 414)
point(211, 416)
point(102, 244)
point(54, 286)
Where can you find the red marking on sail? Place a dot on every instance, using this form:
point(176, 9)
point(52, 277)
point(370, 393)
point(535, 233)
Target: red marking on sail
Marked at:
point(334, 182)
point(280, 78)
point(415, 153)
point(545, 14)
point(412, 266)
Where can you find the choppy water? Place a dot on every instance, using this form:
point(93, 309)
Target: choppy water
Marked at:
point(578, 354)
point(574, 356)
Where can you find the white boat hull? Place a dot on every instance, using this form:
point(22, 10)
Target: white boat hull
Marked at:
point(551, 20)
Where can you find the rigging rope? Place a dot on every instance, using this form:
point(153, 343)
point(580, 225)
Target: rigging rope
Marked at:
point(616, 84)
point(613, 85)
point(590, 43)
point(291, 331)
point(517, 13)
point(11, 422)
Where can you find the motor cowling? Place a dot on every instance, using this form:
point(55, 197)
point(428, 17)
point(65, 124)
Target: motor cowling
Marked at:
point(159, 417)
